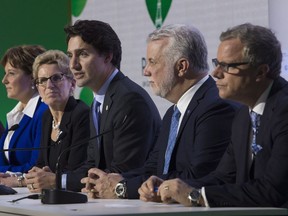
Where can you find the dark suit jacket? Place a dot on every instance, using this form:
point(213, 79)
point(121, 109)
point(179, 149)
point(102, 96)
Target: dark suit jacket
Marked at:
point(202, 138)
point(28, 135)
point(266, 184)
point(75, 124)
point(134, 120)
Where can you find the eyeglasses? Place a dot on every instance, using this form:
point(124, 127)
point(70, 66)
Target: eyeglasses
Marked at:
point(225, 66)
point(56, 78)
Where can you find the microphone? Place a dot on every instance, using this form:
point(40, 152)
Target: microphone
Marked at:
point(13, 127)
point(59, 196)
point(58, 141)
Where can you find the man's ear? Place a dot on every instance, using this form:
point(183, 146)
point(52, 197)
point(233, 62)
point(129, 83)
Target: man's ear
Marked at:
point(108, 57)
point(182, 66)
point(262, 71)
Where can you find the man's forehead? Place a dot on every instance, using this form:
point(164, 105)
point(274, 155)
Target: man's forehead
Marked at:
point(231, 48)
point(78, 45)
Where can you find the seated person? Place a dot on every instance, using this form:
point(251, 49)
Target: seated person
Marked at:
point(24, 121)
point(196, 128)
point(122, 114)
point(254, 169)
point(65, 124)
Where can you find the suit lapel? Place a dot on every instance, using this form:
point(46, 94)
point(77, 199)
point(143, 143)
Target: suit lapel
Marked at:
point(47, 136)
point(243, 151)
point(269, 108)
point(195, 101)
point(107, 104)
point(108, 101)
point(22, 126)
point(66, 121)
point(265, 121)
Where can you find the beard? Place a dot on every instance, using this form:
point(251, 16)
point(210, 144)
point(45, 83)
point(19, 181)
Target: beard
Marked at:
point(166, 84)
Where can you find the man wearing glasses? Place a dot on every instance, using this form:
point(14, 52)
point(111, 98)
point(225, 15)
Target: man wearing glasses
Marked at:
point(254, 168)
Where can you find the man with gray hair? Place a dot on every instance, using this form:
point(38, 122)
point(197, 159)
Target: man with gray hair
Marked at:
point(254, 168)
point(195, 129)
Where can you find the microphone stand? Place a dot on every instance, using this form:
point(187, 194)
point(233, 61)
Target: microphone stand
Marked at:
point(58, 195)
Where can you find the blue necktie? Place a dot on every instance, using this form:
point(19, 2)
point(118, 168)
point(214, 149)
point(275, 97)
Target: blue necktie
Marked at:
point(172, 138)
point(255, 120)
point(96, 115)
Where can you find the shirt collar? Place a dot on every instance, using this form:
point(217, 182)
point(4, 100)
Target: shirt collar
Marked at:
point(31, 106)
point(261, 102)
point(16, 114)
point(185, 99)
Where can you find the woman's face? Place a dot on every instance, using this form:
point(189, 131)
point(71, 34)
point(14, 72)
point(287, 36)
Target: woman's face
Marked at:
point(54, 87)
point(18, 84)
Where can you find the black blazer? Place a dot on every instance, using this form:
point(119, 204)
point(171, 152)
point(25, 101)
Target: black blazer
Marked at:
point(135, 120)
point(202, 138)
point(75, 124)
point(265, 184)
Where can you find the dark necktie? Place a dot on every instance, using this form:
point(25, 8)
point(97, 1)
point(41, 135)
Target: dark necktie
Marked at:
point(255, 120)
point(96, 115)
point(172, 138)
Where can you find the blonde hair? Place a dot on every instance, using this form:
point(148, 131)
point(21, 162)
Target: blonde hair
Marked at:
point(52, 57)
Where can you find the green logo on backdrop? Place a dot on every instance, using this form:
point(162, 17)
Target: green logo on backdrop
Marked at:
point(158, 10)
point(77, 7)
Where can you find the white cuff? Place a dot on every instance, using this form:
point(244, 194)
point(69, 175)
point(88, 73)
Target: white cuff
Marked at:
point(63, 181)
point(204, 197)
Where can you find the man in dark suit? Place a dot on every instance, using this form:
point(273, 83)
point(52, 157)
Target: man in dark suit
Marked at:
point(254, 169)
point(122, 114)
point(178, 71)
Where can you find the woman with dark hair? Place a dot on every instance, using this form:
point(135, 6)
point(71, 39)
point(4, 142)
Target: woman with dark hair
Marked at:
point(23, 128)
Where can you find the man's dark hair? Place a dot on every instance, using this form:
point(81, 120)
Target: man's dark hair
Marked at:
point(100, 35)
point(261, 46)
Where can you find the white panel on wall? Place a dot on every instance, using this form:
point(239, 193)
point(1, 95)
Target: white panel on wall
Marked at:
point(278, 18)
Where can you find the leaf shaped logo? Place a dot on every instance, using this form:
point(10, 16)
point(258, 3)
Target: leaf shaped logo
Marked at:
point(158, 10)
point(77, 7)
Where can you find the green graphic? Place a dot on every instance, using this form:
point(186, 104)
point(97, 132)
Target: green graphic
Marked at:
point(158, 10)
point(50, 17)
point(86, 95)
point(77, 7)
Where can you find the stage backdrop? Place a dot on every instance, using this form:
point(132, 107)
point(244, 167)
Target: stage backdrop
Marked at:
point(31, 22)
point(42, 22)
